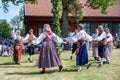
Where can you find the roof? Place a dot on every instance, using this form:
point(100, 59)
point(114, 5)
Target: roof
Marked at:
point(44, 7)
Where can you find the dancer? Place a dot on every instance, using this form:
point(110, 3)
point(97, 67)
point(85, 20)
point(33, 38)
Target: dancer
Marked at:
point(82, 55)
point(74, 45)
point(95, 45)
point(101, 44)
point(109, 47)
point(18, 47)
point(48, 56)
point(29, 38)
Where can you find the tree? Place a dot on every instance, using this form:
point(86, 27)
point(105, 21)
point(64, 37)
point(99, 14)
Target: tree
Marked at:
point(5, 29)
point(74, 7)
point(16, 21)
point(5, 3)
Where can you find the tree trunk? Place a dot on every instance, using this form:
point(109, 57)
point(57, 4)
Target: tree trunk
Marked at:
point(65, 24)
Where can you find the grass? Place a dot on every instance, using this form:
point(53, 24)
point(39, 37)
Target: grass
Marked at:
point(28, 71)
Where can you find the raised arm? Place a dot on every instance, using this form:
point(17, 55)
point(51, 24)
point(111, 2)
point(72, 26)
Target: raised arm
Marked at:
point(13, 34)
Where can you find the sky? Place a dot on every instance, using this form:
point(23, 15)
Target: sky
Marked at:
point(13, 11)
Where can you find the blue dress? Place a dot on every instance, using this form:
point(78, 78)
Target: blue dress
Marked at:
point(82, 56)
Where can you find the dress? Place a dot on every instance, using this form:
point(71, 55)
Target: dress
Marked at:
point(82, 55)
point(95, 47)
point(109, 47)
point(48, 56)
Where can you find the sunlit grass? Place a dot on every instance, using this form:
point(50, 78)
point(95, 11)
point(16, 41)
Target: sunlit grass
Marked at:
point(28, 71)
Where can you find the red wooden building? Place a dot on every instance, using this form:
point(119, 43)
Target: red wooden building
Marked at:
point(36, 15)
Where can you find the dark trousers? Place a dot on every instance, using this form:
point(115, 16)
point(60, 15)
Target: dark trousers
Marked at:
point(31, 49)
point(101, 50)
point(74, 47)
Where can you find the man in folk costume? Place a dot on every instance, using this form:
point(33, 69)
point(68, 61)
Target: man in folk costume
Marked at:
point(109, 47)
point(48, 56)
point(29, 38)
point(101, 44)
point(18, 48)
point(82, 55)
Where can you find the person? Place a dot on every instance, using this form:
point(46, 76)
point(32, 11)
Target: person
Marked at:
point(109, 46)
point(101, 44)
point(116, 40)
point(74, 45)
point(29, 38)
point(95, 46)
point(18, 47)
point(48, 56)
point(82, 53)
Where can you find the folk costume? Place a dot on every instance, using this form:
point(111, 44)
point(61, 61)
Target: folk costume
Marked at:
point(109, 47)
point(82, 54)
point(18, 47)
point(29, 38)
point(48, 56)
point(101, 46)
point(95, 47)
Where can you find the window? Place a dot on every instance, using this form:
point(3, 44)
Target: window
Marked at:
point(89, 27)
point(117, 29)
point(106, 25)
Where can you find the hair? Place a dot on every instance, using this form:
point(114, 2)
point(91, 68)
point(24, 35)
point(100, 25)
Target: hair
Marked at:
point(46, 27)
point(100, 26)
point(81, 26)
point(18, 31)
point(107, 29)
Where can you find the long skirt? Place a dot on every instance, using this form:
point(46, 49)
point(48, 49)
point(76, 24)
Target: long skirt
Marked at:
point(95, 49)
point(48, 56)
point(17, 53)
point(108, 51)
point(82, 56)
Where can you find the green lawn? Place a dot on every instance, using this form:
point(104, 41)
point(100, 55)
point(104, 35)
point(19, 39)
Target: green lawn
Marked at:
point(28, 71)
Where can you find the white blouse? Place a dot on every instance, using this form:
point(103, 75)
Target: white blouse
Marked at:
point(43, 36)
point(80, 35)
point(14, 35)
point(102, 36)
point(110, 37)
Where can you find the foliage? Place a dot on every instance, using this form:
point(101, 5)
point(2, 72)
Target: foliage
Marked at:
point(75, 8)
point(16, 21)
point(22, 29)
point(101, 4)
point(5, 3)
point(5, 29)
point(56, 19)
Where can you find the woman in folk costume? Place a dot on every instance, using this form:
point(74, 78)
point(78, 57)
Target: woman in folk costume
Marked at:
point(18, 48)
point(29, 38)
point(101, 44)
point(48, 56)
point(82, 55)
point(95, 46)
point(109, 47)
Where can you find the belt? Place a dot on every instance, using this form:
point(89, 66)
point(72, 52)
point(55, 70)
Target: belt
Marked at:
point(81, 40)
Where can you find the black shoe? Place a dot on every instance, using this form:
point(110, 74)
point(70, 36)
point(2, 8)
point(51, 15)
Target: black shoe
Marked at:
point(88, 66)
point(100, 65)
point(17, 63)
point(106, 62)
point(60, 68)
point(42, 72)
point(30, 60)
point(71, 57)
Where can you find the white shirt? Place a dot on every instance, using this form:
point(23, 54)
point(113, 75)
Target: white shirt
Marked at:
point(102, 36)
point(80, 35)
point(43, 36)
point(27, 37)
point(109, 37)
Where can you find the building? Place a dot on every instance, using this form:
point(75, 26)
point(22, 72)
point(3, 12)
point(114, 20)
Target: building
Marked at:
point(38, 14)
